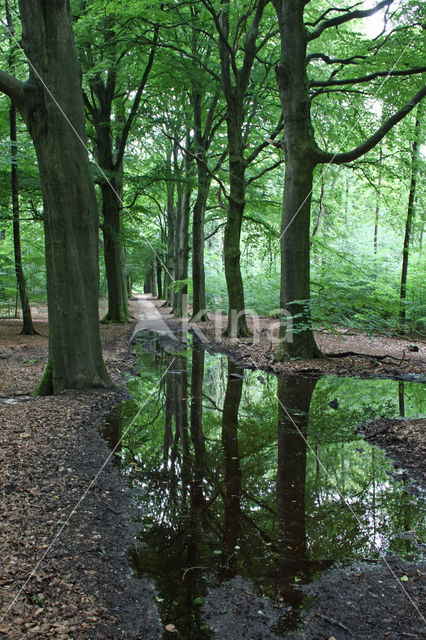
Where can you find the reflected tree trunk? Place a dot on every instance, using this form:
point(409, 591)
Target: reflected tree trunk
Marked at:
point(232, 498)
point(401, 398)
point(294, 398)
point(197, 436)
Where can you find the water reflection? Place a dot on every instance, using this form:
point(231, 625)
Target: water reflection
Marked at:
point(222, 492)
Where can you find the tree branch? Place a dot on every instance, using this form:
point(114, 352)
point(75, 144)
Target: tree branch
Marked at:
point(262, 173)
point(13, 88)
point(268, 141)
point(367, 78)
point(136, 102)
point(350, 15)
point(372, 141)
point(328, 60)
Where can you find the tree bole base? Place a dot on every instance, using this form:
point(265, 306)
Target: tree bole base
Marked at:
point(120, 318)
point(50, 384)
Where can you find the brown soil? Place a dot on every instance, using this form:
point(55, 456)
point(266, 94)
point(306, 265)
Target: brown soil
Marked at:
point(65, 531)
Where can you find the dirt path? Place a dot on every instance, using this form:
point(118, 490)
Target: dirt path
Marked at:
point(64, 530)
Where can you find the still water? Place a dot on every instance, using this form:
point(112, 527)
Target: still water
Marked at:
point(240, 473)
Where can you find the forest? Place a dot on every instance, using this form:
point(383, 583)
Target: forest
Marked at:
point(192, 189)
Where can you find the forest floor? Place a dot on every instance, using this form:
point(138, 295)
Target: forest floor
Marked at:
point(65, 528)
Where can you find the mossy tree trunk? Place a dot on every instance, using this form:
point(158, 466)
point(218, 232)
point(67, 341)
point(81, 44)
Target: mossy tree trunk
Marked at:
point(57, 128)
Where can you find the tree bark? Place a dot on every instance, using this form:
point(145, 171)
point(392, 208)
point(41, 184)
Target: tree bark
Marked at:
point(182, 232)
point(409, 221)
point(70, 208)
point(203, 185)
point(114, 252)
point(171, 224)
point(232, 497)
point(237, 323)
point(299, 147)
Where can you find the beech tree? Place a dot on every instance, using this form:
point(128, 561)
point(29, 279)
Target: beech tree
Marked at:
point(238, 50)
point(112, 108)
point(51, 105)
point(302, 152)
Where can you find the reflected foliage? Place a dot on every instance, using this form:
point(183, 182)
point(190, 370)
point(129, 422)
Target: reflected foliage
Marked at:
point(237, 473)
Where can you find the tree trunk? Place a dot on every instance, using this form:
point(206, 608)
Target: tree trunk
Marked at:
point(27, 322)
point(299, 147)
point(232, 497)
point(409, 221)
point(171, 224)
point(70, 208)
point(237, 322)
point(295, 396)
point(182, 236)
point(114, 253)
point(203, 185)
point(158, 272)
point(198, 273)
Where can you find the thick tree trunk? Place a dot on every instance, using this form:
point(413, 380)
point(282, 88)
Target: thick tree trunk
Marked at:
point(114, 253)
point(294, 398)
point(70, 208)
point(237, 323)
point(299, 147)
point(409, 221)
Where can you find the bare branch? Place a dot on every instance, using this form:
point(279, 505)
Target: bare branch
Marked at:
point(13, 88)
point(328, 60)
point(367, 78)
point(267, 141)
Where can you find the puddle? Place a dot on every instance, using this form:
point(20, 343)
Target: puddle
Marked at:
point(243, 478)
